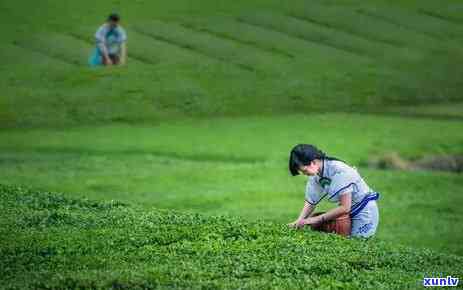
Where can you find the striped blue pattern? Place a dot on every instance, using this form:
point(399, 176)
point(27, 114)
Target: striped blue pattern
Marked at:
point(361, 205)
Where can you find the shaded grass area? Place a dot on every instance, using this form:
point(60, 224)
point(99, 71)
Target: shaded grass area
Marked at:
point(223, 58)
point(239, 166)
point(51, 241)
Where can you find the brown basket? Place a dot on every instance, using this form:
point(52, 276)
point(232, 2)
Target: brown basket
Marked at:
point(341, 226)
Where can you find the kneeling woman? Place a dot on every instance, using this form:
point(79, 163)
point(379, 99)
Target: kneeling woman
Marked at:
point(338, 182)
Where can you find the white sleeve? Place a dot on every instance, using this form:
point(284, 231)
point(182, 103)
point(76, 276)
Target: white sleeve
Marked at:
point(100, 34)
point(312, 191)
point(123, 35)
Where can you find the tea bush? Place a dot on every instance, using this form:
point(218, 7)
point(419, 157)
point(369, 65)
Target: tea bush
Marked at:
point(50, 241)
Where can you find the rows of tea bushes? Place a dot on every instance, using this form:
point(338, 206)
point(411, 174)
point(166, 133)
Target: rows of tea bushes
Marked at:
point(49, 241)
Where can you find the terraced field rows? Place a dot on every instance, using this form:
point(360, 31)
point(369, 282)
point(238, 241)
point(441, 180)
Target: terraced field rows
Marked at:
point(307, 56)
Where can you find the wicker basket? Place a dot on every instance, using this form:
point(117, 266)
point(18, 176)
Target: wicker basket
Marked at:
point(341, 226)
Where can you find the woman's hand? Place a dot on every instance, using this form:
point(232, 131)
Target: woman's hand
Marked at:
point(108, 61)
point(293, 224)
point(299, 223)
point(312, 221)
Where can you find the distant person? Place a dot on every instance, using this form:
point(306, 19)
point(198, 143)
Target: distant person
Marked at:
point(111, 48)
point(338, 182)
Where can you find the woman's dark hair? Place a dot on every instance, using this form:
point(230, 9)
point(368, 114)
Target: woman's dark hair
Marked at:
point(114, 17)
point(304, 154)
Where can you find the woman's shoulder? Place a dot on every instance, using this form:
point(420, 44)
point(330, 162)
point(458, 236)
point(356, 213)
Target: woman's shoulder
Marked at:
point(339, 167)
point(103, 26)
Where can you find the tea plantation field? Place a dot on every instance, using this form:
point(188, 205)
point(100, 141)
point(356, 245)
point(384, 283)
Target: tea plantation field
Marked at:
point(218, 58)
point(171, 171)
point(50, 241)
point(238, 166)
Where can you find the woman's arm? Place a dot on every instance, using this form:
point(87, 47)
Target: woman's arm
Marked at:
point(104, 52)
point(100, 37)
point(342, 209)
point(305, 212)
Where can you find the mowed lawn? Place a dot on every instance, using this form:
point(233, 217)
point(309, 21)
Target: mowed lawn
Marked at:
point(238, 166)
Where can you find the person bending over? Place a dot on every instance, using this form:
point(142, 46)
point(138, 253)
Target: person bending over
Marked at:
point(111, 48)
point(340, 183)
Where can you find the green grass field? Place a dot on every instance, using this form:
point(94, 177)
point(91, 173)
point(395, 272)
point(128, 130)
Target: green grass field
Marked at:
point(201, 121)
